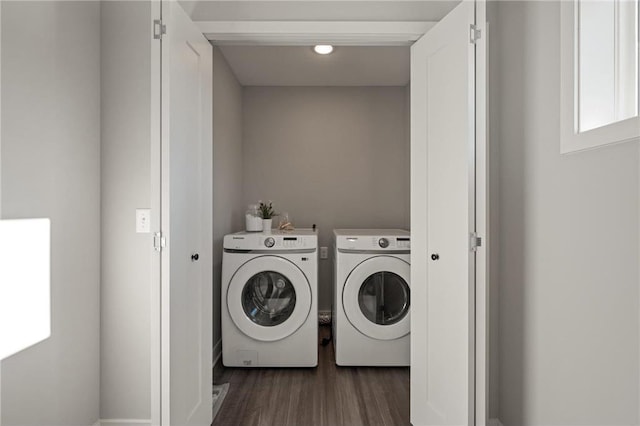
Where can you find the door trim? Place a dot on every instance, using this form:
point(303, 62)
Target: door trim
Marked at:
point(1, 185)
point(156, 209)
point(295, 33)
point(338, 33)
point(482, 203)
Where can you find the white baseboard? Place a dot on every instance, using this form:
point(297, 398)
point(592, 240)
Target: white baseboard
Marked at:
point(139, 422)
point(123, 422)
point(217, 352)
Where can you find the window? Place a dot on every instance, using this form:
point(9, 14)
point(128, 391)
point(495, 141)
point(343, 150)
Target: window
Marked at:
point(600, 97)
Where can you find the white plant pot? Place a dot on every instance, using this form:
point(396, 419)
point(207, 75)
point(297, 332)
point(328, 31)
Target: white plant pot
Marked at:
point(266, 225)
point(253, 223)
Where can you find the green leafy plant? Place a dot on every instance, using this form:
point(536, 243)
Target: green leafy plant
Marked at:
point(266, 210)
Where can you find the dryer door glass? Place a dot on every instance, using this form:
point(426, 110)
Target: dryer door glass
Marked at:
point(268, 298)
point(384, 298)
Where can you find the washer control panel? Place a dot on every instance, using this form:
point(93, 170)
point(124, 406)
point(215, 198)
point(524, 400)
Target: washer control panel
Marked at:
point(292, 243)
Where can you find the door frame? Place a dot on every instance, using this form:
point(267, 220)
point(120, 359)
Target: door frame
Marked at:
point(157, 317)
point(0, 179)
point(365, 33)
point(482, 205)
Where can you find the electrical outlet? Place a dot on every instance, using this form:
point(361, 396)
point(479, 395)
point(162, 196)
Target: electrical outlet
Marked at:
point(143, 221)
point(324, 253)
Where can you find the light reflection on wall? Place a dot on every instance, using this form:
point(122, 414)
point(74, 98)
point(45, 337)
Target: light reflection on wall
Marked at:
point(25, 299)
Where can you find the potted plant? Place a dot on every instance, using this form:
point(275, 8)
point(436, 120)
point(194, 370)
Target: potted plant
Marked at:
point(267, 212)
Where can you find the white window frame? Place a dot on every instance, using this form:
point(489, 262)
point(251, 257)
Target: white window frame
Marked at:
point(571, 140)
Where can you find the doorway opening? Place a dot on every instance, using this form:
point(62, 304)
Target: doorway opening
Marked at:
point(327, 139)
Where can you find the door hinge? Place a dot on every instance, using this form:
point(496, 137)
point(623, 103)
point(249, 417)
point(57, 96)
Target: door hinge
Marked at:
point(159, 29)
point(474, 34)
point(159, 241)
point(475, 241)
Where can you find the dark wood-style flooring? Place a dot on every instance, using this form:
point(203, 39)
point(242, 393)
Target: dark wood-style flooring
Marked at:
point(324, 396)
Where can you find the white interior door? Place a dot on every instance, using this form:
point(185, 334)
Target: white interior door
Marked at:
point(187, 221)
point(442, 218)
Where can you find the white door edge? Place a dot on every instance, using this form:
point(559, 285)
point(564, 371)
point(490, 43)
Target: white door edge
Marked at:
point(155, 186)
point(1, 192)
point(165, 254)
point(482, 303)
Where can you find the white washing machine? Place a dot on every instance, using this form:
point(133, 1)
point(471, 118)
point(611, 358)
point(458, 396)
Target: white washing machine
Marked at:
point(269, 299)
point(372, 297)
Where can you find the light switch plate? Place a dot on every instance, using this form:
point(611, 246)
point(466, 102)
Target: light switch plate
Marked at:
point(143, 221)
point(324, 253)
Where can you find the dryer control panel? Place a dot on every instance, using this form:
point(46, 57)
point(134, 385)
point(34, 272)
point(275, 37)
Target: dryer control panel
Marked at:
point(392, 240)
point(277, 240)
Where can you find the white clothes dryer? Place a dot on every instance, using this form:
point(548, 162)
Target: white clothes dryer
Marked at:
point(372, 297)
point(269, 299)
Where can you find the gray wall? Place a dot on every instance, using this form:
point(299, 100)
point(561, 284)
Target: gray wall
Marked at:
point(126, 185)
point(569, 244)
point(333, 156)
point(228, 205)
point(407, 153)
point(51, 168)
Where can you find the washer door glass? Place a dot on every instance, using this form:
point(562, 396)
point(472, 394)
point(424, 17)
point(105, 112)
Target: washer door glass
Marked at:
point(384, 298)
point(268, 298)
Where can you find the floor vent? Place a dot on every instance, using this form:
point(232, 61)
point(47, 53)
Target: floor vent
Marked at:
point(324, 317)
point(219, 392)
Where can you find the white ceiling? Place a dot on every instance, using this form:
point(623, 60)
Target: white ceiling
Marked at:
point(300, 66)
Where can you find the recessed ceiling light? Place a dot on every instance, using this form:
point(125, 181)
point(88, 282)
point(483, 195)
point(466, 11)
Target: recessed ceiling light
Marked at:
point(323, 49)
